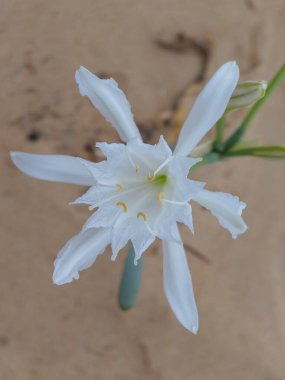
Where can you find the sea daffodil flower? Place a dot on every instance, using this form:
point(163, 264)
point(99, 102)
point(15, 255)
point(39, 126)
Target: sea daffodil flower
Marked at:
point(141, 191)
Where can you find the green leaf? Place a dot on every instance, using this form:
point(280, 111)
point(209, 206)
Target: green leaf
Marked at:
point(253, 143)
point(271, 151)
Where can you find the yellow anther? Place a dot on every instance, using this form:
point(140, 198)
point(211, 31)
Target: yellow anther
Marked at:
point(143, 215)
point(124, 205)
point(120, 186)
point(150, 177)
point(159, 197)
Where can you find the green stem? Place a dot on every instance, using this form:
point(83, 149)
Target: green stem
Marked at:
point(219, 133)
point(130, 281)
point(237, 135)
point(270, 151)
point(209, 158)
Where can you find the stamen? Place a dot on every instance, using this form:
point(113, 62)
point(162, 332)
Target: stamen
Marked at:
point(124, 205)
point(120, 186)
point(150, 177)
point(145, 218)
point(143, 215)
point(162, 165)
point(137, 168)
point(159, 197)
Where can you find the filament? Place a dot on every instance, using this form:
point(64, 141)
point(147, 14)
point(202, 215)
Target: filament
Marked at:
point(162, 165)
point(175, 202)
point(136, 167)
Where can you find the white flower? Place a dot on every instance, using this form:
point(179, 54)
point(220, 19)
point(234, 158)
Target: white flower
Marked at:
point(141, 191)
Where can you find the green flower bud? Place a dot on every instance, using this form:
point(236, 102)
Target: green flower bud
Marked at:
point(246, 94)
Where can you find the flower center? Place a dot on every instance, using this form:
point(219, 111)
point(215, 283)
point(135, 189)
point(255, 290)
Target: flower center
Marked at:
point(158, 180)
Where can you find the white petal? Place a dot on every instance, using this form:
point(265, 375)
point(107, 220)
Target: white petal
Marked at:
point(96, 169)
point(163, 221)
point(165, 225)
point(226, 208)
point(55, 168)
point(208, 107)
point(134, 229)
point(106, 96)
point(119, 165)
point(121, 234)
point(105, 216)
point(96, 194)
point(178, 285)
point(163, 148)
point(111, 151)
point(141, 239)
point(185, 217)
point(181, 166)
point(167, 228)
point(79, 253)
point(180, 188)
point(149, 157)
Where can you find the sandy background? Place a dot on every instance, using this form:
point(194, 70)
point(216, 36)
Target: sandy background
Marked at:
point(76, 331)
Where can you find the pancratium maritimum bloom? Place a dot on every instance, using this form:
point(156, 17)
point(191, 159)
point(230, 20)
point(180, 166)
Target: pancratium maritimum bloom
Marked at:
point(141, 191)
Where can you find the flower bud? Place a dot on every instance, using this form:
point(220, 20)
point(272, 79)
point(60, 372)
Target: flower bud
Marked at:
point(246, 94)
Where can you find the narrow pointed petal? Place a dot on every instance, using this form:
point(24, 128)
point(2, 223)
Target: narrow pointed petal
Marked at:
point(122, 232)
point(79, 253)
point(110, 101)
point(54, 168)
point(141, 240)
point(178, 285)
point(163, 148)
point(208, 108)
point(134, 229)
point(226, 208)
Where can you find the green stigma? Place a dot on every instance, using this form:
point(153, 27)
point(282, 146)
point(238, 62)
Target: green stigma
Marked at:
point(160, 179)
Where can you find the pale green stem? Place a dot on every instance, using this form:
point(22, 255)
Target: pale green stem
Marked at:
point(130, 281)
point(220, 127)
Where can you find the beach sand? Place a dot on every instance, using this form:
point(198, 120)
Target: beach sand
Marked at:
point(77, 331)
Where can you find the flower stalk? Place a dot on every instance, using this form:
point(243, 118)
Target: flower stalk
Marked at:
point(130, 281)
